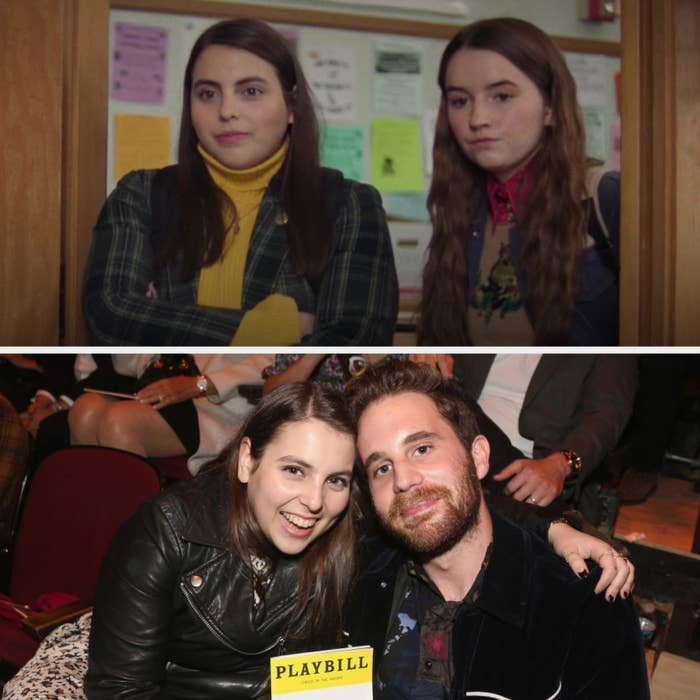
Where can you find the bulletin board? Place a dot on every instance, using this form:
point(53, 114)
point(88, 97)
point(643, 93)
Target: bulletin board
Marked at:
point(375, 84)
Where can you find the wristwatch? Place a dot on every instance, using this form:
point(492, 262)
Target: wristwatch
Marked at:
point(574, 461)
point(202, 385)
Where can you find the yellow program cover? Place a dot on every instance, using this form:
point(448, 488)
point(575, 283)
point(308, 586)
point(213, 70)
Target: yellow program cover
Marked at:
point(330, 674)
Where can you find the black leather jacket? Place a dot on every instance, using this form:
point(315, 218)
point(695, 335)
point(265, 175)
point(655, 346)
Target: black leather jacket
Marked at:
point(174, 614)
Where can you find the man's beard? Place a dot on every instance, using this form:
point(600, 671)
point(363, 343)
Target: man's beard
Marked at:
point(430, 536)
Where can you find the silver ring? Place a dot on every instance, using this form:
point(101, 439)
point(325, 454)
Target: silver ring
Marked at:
point(532, 500)
point(160, 398)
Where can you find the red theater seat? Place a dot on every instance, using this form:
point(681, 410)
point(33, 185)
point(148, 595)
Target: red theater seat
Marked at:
point(77, 499)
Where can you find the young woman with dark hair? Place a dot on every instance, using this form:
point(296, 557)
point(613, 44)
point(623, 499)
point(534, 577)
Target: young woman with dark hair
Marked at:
point(250, 559)
point(518, 254)
point(247, 240)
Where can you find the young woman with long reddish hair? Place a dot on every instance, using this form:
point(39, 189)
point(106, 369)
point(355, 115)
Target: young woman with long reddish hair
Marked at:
point(517, 255)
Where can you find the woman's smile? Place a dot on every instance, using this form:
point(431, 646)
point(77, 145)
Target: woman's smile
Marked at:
point(297, 525)
point(300, 486)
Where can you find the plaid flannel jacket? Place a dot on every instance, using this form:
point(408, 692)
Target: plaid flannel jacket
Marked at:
point(355, 302)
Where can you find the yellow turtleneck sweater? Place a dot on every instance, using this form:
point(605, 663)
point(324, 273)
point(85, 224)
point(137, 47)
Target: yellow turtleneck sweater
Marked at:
point(275, 320)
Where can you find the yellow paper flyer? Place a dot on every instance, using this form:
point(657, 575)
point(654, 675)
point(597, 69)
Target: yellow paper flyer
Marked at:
point(331, 674)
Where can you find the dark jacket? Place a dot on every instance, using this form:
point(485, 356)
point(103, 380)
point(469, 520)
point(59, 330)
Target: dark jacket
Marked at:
point(595, 318)
point(355, 302)
point(573, 402)
point(174, 614)
point(536, 631)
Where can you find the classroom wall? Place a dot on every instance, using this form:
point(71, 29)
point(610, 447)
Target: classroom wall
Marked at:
point(555, 16)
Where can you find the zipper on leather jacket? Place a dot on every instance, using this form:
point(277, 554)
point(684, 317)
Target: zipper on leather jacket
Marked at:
point(279, 642)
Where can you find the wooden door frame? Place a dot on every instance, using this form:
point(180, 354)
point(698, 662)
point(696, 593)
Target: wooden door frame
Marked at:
point(660, 112)
point(85, 149)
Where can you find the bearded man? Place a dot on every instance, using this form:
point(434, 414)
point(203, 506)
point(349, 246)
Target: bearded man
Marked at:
point(464, 603)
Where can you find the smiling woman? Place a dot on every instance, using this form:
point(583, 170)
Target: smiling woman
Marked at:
point(299, 486)
point(247, 240)
point(251, 558)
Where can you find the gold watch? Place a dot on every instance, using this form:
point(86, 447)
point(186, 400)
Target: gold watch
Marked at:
point(574, 461)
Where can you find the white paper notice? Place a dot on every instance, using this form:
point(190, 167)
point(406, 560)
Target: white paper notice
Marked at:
point(397, 84)
point(591, 77)
point(332, 75)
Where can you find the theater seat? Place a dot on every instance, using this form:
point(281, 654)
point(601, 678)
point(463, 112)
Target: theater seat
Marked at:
point(171, 468)
point(74, 504)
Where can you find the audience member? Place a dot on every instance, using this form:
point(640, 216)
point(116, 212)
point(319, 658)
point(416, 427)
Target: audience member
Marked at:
point(565, 413)
point(24, 377)
point(464, 602)
point(336, 369)
point(194, 412)
point(35, 392)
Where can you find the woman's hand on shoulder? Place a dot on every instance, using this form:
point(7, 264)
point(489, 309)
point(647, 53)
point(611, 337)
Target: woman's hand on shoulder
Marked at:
point(617, 576)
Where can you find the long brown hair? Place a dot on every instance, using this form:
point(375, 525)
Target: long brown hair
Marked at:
point(553, 226)
point(326, 566)
point(206, 212)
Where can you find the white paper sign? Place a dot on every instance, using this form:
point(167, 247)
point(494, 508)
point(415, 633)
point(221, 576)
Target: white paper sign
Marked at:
point(332, 75)
point(397, 83)
point(591, 77)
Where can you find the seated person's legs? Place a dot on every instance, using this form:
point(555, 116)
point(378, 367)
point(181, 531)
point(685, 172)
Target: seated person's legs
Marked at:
point(126, 425)
point(138, 428)
point(84, 418)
